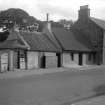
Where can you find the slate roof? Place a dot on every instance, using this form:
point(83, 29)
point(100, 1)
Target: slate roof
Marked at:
point(13, 41)
point(36, 40)
point(14, 44)
point(39, 41)
point(71, 40)
point(99, 22)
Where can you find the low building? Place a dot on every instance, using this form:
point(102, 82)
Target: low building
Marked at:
point(56, 46)
point(77, 50)
point(83, 43)
point(27, 50)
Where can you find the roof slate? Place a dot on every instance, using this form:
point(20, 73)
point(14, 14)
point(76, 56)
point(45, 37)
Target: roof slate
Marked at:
point(39, 42)
point(13, 44)
point(13, 41)
point(36, 40)
point(99, 22)
point(72, 40)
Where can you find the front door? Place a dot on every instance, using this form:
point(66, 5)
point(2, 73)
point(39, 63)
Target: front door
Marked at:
point(59, 64)
point(43, 62)
point(80, 58)
point(4, 62)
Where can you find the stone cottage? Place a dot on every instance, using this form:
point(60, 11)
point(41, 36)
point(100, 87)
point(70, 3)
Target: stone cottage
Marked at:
point(28, 50)
point(84, 43)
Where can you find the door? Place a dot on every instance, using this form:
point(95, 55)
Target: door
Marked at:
point(4, 62)
point(80, 58)
point(43, 62)
point(59, 60)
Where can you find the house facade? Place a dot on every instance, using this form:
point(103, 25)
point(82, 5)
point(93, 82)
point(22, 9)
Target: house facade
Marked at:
point(28, 50)
point(93, 29)
point(83, 44)
point(76, 49)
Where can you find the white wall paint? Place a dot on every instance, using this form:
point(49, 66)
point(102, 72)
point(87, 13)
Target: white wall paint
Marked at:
point(32, 59)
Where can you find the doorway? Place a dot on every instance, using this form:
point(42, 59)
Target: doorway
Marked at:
point(59, 64)
point(80, 59)
point(43, 62)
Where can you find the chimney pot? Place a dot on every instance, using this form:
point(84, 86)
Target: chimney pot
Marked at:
point(47, 16)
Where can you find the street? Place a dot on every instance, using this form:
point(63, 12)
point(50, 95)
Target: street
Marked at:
point(50, 89)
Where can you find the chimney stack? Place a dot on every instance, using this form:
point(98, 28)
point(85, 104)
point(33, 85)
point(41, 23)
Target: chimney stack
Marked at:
point(47, 17)
point(84, 12)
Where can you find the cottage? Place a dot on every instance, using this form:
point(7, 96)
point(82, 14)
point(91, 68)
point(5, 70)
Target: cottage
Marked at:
point(76, 48)
point(27, 50)
point(82, 44)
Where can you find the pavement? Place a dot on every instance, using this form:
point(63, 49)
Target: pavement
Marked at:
point(100, 100)
point(17, 73)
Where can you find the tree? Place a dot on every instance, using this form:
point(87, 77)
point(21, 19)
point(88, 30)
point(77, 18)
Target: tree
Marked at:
point(16, 16)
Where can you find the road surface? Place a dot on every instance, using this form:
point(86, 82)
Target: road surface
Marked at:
point(50, 89)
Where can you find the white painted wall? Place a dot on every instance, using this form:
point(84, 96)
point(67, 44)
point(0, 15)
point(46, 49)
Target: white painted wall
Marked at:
point(32, 58)
point(86, 60)
point(51, 60)
point(68, 62)
point(76, 58)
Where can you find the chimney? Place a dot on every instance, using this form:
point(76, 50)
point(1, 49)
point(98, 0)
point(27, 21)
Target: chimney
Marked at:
point(48, 23)
point(84, 12)
point(47, 17)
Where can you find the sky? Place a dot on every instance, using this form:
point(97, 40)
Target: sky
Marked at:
point(57, 9)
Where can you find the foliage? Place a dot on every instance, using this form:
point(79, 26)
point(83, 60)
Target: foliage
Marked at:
point(3, 35)
point(16, 16)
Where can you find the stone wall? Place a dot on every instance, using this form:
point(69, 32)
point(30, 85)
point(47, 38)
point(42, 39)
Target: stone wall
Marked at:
point(67, 59)
point(86, 60)
point(6, 60)
point(51, 60)
point(32, 60)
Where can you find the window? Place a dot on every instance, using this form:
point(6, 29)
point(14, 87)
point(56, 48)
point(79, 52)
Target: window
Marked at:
point(72, 56)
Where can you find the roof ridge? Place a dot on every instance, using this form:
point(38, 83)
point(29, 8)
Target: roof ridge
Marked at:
point(98, 22)
point(97, 18)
